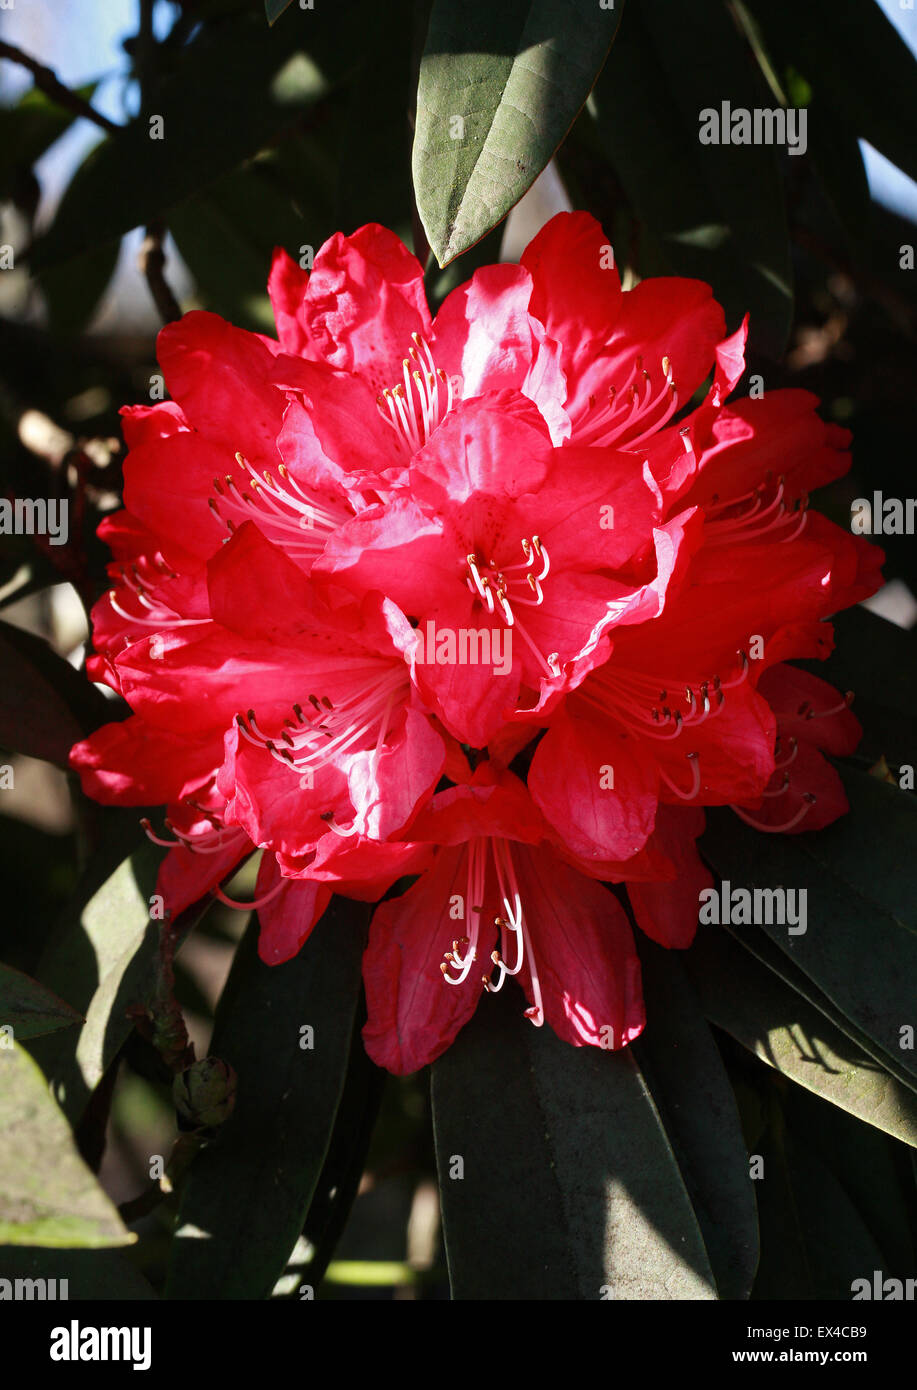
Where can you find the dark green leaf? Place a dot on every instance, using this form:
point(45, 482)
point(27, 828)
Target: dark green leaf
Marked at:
point(814, 1242)
point(865, 1163)
point(275, 8)
point(29, 1008)
point(764, 1014)
point(47, 1194)
point(877, 661)
point(45, 705)
point(557, 1177)
point(860, 942)
point(72, 291)
point(40, 874)
point(716, 212)
point(500, 86)
point(227, 233)
point(867, 80)
point(832, 144)
point(90, 1274)
point(28, 129)
point(344, 1163)
point(691, 1090)
point(760, 945)
point(252, 83)
point(99, 953)
point(248, 1192)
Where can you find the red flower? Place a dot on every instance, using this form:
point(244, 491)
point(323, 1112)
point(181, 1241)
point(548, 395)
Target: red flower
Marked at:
point(497, 901)
point(348, 552)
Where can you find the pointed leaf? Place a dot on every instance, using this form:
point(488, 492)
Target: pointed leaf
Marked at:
point(45, 705)
point(759, 944)
point(868, 82)
point(877, 660)
point(567, 1185)
point(48, 1196)
point(248, 1192)
point(275, 8)
point(715, 211)
point(778, 1025)
point(29, 1008)
point(253, 82)
point(860, 880)
point(693, 1094)
point(500, 86)
point(99, 954)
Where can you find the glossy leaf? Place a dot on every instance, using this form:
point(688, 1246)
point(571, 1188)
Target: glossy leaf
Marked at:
point(99, 954)
point(344, 1162)
point(763, 948)
point(557, 1177)
point(860, 942)
point(500, 86)
point(814, 1240)
point(777, 1024)
point(47, 1194)
point(247, 1194)
point(692, 1092)
point(29, 1008)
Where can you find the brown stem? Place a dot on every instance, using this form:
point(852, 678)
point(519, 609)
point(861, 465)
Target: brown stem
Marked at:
point(52, 87)
point(152, 258)
point(152, 261)
point(183, 1151)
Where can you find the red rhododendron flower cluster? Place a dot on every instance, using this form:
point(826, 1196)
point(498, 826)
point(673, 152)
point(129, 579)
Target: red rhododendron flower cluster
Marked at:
point(481, 601)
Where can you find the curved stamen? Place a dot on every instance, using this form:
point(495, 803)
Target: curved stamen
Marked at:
point(464, 948)
point(694, 760)
point(474, 897)
point(249, 907)
point(419, 402)
point(806, 711)
point(209, 842)
point(498, 586)
point(785, 762)
point(635, 403)
point(309, 743)
point(294, 518)
point(809, 800)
